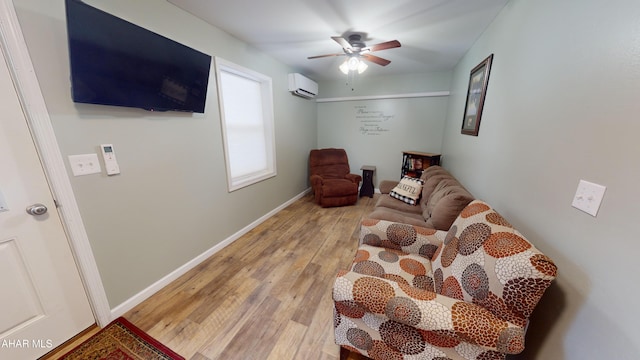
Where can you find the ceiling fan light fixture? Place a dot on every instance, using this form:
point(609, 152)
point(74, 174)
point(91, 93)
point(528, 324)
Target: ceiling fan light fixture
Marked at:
point(355, 50)
point(362, 66)
point(344, 67)
point(353, 63)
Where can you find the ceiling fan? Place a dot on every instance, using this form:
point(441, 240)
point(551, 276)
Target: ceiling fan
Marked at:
point(355, 47)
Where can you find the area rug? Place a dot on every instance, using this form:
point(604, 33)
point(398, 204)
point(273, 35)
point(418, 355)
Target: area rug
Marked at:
point(121, 340)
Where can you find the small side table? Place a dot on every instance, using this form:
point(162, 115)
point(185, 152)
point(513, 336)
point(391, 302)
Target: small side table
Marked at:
point(367, 180)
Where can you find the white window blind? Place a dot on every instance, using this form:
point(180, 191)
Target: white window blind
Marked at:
point(247, 124)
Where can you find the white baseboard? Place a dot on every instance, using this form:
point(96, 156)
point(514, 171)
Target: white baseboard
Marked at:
point(155, 287)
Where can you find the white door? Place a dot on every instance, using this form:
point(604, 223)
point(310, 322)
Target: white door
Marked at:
point(42, 299)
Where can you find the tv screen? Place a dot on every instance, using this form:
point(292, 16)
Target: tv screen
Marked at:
point(114, 62)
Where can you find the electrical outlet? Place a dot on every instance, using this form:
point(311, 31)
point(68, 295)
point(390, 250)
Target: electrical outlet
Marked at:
point(588, 197)
point(85, 164)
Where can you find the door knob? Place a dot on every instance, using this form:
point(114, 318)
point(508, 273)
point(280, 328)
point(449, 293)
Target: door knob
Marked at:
point(37, 209)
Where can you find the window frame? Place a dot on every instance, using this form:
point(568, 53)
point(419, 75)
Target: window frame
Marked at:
point(266, 92)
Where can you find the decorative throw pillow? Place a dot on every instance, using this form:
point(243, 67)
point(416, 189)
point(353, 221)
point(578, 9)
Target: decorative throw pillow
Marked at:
point(408, 190)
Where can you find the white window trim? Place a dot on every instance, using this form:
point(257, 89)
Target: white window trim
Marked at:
point(235, 183)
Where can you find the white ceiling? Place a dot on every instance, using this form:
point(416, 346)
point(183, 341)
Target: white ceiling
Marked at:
point(434, 34)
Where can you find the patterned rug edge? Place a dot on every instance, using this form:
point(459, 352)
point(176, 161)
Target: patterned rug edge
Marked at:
point(146, 338)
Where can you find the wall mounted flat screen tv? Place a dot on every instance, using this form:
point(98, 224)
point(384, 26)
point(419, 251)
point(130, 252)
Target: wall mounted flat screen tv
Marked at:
point(114, 62)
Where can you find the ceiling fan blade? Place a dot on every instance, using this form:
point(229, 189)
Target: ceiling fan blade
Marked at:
point(376, 59)
point(327, 55)
point(383, 46)
point(344, 43)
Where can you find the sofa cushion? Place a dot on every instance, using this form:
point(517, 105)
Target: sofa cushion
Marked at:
point(395, 265)
point(431, 184)
point(408, 190)
point(484, 260)
point(382, 213)
point(433, 170)
point(386, 201)
point(387, 185)
point(445, 204)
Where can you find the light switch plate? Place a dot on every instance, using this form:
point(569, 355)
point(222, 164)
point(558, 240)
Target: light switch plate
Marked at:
point(84, 164)
point(588, 197)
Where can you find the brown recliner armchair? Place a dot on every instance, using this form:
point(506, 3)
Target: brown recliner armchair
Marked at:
point(330, 177)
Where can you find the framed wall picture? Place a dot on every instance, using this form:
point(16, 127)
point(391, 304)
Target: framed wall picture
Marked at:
point(476, 92)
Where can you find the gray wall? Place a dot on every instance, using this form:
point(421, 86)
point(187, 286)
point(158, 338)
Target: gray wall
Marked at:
point(170, 203)
point(390, 125)
point(562, 105)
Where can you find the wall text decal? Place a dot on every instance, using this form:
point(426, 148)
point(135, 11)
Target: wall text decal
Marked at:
point(372, 122)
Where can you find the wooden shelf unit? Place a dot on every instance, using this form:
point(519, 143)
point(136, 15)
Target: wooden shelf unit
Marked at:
point(415, 162)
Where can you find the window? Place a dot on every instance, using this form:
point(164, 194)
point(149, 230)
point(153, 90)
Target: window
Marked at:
point(246, 112)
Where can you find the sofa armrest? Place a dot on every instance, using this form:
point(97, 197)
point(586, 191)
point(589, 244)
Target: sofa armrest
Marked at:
point(408, 238)
point(440, 316)
point(387, 185)
point(354, 178)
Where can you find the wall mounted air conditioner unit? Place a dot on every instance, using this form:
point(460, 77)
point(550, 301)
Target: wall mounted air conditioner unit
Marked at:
point(302, 86)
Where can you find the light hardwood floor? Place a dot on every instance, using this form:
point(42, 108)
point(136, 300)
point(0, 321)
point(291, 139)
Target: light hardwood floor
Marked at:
point(267, 296)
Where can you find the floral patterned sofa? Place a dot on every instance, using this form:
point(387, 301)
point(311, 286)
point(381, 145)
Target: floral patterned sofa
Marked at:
point(419, 293)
